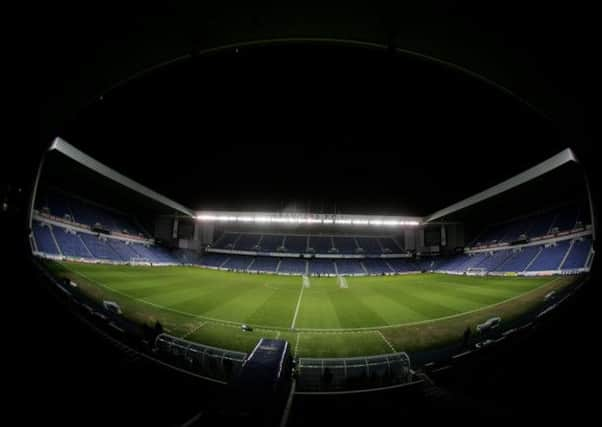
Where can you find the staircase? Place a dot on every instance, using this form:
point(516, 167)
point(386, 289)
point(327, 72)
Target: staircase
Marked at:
point(234, 243)
point(258, 244)
point(534, 258)
point(85, 246)
point(566, 255)
point(54, 240)
point(357, 245)
point(380, 245)
point(364, 267)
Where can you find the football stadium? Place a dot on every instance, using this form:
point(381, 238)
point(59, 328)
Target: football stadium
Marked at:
point(263, 241)
point(342, 290)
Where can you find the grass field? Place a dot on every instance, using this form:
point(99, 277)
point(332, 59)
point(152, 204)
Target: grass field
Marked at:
point(373, 315)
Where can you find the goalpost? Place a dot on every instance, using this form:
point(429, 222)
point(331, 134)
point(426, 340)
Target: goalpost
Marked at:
point(306, 282)
point(139, 261)
point(476, 271)
point(342, 282)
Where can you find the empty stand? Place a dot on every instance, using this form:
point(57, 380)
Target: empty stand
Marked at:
point(577, 257)
point(349, 266)
point(550, 257)
point(44, 239)
point(321, 266)
point(292, 266)
point(70, 243)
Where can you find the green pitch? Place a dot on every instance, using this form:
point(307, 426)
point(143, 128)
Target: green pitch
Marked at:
point(372, 315)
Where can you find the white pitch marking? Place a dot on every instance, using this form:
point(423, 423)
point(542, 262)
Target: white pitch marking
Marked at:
point(194, 330)
point(343, 283)
point(297, 344)
point(386, 341)
point(299, 301)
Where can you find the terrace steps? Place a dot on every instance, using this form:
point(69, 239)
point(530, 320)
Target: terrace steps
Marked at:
point(54, 239)
point(534, 259)
point(566, 255)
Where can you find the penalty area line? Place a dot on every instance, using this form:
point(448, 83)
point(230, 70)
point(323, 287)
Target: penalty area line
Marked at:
point(201, 324)
point(386, 341)
point(303, 285)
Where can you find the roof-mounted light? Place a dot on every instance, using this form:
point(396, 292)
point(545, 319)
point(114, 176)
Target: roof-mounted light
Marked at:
point(304, 219)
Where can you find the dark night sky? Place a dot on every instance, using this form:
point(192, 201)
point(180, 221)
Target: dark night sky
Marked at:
point(322, 128)
point(316, 127)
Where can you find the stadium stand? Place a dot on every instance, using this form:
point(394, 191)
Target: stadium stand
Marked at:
point(99, 248)
point(389, 245)
point(70, 243)
point(462, 262)
point(125, 251)
point(44, 240)
point(240, 262)
point(58, 206)
point(247, 242)
point(541, 224)
point(401, 265)
point(578, 255)
point(345, 245)
point(369, 245)
point(430, 263)
point(186, 256)
point(213, 260)
point(271, 243)
point(153, 254)
point(349, 266)
point(226, 241)
point(550, 257)
point(78, 211)
point(296, 244)
point(376, 266)
point(519, 259)
point(320, 244)
point(563, 253)
point(321, 266)
point(566, 219)
point(495, 259)
point(534, 226)
point(292, 266)
point(267, 264)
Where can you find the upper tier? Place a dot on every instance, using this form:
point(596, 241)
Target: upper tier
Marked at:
point(72, 209)
point(565, 219)
point(323, 244)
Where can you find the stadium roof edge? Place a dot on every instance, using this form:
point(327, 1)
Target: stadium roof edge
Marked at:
point(565, 156)
point(82, 158)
